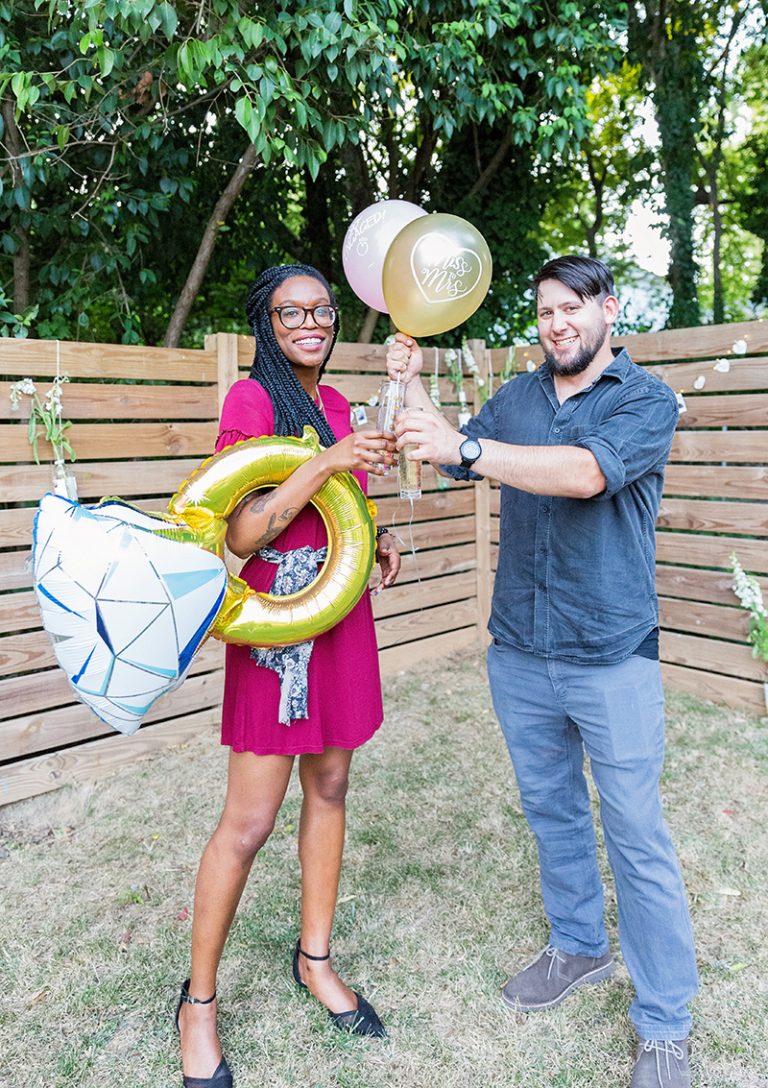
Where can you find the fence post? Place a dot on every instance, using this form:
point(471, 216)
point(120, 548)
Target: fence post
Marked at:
point(225, 346)
point(482, 517)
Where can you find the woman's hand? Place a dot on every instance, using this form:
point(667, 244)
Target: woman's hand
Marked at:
point(388, 556)
point(362, 451)
point(404, 358)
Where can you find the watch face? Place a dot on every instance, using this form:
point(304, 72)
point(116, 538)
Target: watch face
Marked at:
point(470, 449)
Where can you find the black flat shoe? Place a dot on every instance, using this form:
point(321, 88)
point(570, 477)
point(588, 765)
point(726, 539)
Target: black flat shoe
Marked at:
point(363, 1020)
point(222, 1075)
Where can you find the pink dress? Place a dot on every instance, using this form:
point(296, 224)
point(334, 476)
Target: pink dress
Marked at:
point(344, 688)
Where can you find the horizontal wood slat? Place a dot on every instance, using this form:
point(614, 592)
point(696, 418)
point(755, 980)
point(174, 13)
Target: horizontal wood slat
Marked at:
point(96, 758)
point(436, 504)
point(398, 630)
point(402, 599)
point(38, 358)
point(397, 658)
point(695, 584)
point(98, 441)
point(37, 691)
point(714, 516)
point(693, 549)
point(737, 410)
point(49, 729)
point(18, 612)
point(430, 564)
point(360, 388)
point(728, 446)
point(744, 695)
point(27, 483)
point(23, 653)
point(435, 534)
point(732, 482)
point(84, 400)
point(710, 654)
point(384, 487)
point(699, 618)
point(741, 376)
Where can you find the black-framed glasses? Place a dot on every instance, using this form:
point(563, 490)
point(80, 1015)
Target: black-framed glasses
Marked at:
point(293, 317)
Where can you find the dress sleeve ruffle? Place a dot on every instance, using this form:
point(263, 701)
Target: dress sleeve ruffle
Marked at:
point(228, 438)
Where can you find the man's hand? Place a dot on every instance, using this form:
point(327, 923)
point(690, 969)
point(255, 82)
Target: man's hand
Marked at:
point(404, 358)
point(432, 435)
point(388, 556)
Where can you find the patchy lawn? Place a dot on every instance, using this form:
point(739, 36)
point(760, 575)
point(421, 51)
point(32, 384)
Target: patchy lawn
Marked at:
point(439, 899)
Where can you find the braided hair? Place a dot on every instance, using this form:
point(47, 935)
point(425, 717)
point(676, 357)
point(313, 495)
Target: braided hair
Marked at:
point(293, 406)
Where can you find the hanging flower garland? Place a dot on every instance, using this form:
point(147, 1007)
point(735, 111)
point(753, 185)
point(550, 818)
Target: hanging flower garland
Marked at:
point(747, 589)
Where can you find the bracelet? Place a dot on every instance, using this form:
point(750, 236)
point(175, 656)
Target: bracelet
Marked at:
point(381, 531)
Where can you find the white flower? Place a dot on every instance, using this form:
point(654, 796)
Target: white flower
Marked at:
point(747, 589)
point(722, 366)
point(739, 347)
point(700, 382)
point(530, 366)
point(24, 387)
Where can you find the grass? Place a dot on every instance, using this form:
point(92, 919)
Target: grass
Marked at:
point(439, 899)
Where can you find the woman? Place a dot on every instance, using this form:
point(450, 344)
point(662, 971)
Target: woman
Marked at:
point(319, 701)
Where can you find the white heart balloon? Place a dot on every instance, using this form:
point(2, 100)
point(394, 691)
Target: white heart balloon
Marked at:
point(443, 271)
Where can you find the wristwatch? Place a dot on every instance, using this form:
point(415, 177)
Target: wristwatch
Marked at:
point(469, 451)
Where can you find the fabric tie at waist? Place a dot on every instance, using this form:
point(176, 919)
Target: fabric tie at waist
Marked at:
point(295, 570)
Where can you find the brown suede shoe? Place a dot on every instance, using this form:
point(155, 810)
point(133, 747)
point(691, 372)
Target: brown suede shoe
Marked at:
point(551, 977)
point(661, 1063)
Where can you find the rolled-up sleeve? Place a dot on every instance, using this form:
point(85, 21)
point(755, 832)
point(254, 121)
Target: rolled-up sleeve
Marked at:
point(635, 438)
point(483, 425)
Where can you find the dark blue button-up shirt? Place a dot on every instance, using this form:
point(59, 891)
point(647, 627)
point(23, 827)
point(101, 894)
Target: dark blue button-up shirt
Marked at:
point(576, 577)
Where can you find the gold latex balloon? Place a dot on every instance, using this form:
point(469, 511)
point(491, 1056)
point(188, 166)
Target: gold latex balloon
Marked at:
point(212, 492)
point(436, 274)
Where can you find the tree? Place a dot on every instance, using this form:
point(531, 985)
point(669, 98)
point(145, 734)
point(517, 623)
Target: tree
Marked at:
point(666, 39)
point(126, 125)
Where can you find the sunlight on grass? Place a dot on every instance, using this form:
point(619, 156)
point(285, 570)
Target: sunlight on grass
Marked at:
point(439, 899)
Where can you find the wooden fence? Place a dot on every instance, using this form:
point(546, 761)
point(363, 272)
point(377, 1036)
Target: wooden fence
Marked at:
point(144, 418)
point(715, 502)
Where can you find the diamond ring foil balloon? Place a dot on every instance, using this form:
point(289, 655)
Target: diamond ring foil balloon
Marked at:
point(128, 597)
point(125, 607)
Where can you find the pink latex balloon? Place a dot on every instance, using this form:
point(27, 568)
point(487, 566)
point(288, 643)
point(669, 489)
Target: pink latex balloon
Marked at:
point(366, 242)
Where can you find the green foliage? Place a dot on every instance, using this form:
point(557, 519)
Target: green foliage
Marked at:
point(122, 125)
point(125, 122)
point(45, 419)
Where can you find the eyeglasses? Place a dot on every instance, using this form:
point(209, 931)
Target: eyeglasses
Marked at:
point(293, 317)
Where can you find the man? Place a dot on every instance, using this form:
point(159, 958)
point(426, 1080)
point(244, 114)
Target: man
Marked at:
point(579, 447)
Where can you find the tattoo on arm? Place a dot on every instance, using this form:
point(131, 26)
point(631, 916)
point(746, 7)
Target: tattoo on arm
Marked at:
point(273, 528)
point(258, 506)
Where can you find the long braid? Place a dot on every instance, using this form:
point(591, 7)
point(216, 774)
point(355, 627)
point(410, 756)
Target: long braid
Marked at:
point(293, 406)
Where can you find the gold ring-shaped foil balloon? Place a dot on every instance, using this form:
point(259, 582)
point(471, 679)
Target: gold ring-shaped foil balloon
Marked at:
point(212, 492)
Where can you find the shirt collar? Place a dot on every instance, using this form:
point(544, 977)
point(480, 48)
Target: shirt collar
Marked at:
point(618, 369)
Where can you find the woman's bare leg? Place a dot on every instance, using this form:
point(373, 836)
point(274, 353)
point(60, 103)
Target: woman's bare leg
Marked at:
point(321, 843)
point(256, 787)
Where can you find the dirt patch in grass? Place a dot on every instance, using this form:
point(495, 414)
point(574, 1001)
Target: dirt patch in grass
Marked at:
point(439, 900)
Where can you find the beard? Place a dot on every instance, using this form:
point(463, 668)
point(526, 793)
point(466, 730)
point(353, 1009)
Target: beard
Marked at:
point(583, 357)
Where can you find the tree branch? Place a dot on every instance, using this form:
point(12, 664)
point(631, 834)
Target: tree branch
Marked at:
point(208, 242)
point(493, 165)
point(22, 258)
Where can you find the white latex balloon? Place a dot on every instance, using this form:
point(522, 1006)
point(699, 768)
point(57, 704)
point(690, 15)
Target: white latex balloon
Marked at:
point(125, 608)
point(369, 236)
